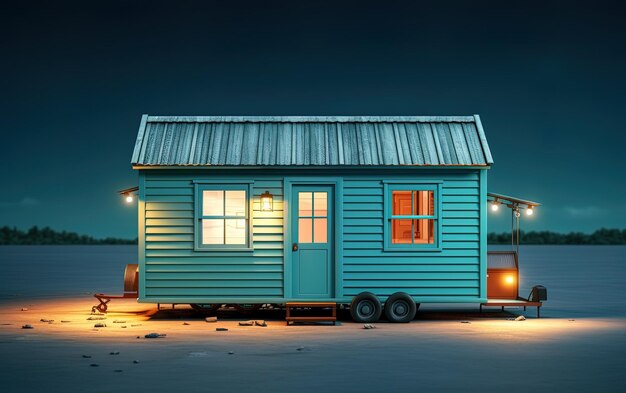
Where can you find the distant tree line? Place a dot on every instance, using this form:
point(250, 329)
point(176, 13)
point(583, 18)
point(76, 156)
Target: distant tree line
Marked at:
point(46, 235)
point(601, 236)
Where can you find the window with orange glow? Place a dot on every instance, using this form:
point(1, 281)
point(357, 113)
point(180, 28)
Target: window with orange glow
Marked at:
point(412, 217)
point(412, 230)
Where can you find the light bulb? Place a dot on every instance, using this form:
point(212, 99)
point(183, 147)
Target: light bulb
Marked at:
point(495, 206)
point(129, 198)
point(529, 211)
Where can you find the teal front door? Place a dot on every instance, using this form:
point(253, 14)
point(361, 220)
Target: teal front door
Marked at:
point(312, 236)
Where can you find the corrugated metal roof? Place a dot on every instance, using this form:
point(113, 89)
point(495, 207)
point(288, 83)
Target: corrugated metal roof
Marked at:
point(310, 141)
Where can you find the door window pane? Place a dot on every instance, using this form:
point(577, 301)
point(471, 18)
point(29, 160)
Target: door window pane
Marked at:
point(236, 231)
point(320, 204)
point(235, 203)
point(401, 231)
point(305, 230)
point(213, 231)
point(305, 204)
point(212, 203)
point(320, 234)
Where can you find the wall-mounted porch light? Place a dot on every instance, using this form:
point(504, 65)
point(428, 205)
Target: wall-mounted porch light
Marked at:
point(129, 194)
point(495, 205)
point(529, 211)
point(267, 202)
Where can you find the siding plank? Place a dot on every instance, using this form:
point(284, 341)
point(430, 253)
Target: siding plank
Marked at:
point(195, 275)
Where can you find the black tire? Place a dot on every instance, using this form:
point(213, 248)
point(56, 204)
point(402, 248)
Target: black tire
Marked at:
point(366, 308)
point(400, 308)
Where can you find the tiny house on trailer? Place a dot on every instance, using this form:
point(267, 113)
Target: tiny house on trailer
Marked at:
point(377, 212)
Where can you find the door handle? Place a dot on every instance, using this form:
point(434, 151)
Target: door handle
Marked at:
point(294, 247)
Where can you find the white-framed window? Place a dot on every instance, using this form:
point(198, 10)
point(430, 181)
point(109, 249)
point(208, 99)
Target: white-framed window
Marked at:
point(222, 216)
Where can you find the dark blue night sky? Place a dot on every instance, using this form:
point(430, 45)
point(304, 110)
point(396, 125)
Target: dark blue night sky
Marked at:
point(548, 80)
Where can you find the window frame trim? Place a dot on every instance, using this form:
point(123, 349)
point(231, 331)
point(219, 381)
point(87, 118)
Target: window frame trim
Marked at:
point(407, 185)
point(222, 185)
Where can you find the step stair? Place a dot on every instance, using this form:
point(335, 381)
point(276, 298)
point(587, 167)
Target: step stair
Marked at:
point(305, 312)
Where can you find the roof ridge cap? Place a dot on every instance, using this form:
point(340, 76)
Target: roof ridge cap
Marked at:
point(311, 119)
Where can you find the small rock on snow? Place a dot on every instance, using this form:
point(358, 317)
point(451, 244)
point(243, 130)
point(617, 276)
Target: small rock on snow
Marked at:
point(96, 318)
point(116, 321)
point(100, 325)
point(520, 318)
point(260, 323)
point(135, 361)
point(94, 365)
point(231, 353)
point(246, 323)
point(369, 326)
point(24, 309)
point(27, 326)
point(211, 319)
point(465, 322)
point(65, 321)
point(221, 329)
point(114, 353)
point(87, 356)
point(185, 323)
point(118, 371)
point(46, 320)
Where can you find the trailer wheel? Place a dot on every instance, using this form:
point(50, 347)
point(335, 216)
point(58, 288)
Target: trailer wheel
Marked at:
point(400, 307)
point(365, 307)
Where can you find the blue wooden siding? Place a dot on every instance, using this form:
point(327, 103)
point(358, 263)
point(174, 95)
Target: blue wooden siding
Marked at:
point(452, 274)
point(173, 271)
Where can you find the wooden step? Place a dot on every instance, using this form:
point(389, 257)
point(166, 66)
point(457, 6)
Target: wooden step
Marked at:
point(291, 306)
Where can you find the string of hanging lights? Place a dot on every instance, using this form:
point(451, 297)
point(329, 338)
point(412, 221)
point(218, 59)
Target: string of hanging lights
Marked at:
point(516, 205)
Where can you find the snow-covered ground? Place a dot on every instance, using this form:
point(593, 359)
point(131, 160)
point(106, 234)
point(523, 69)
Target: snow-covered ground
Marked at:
point(579, 345)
